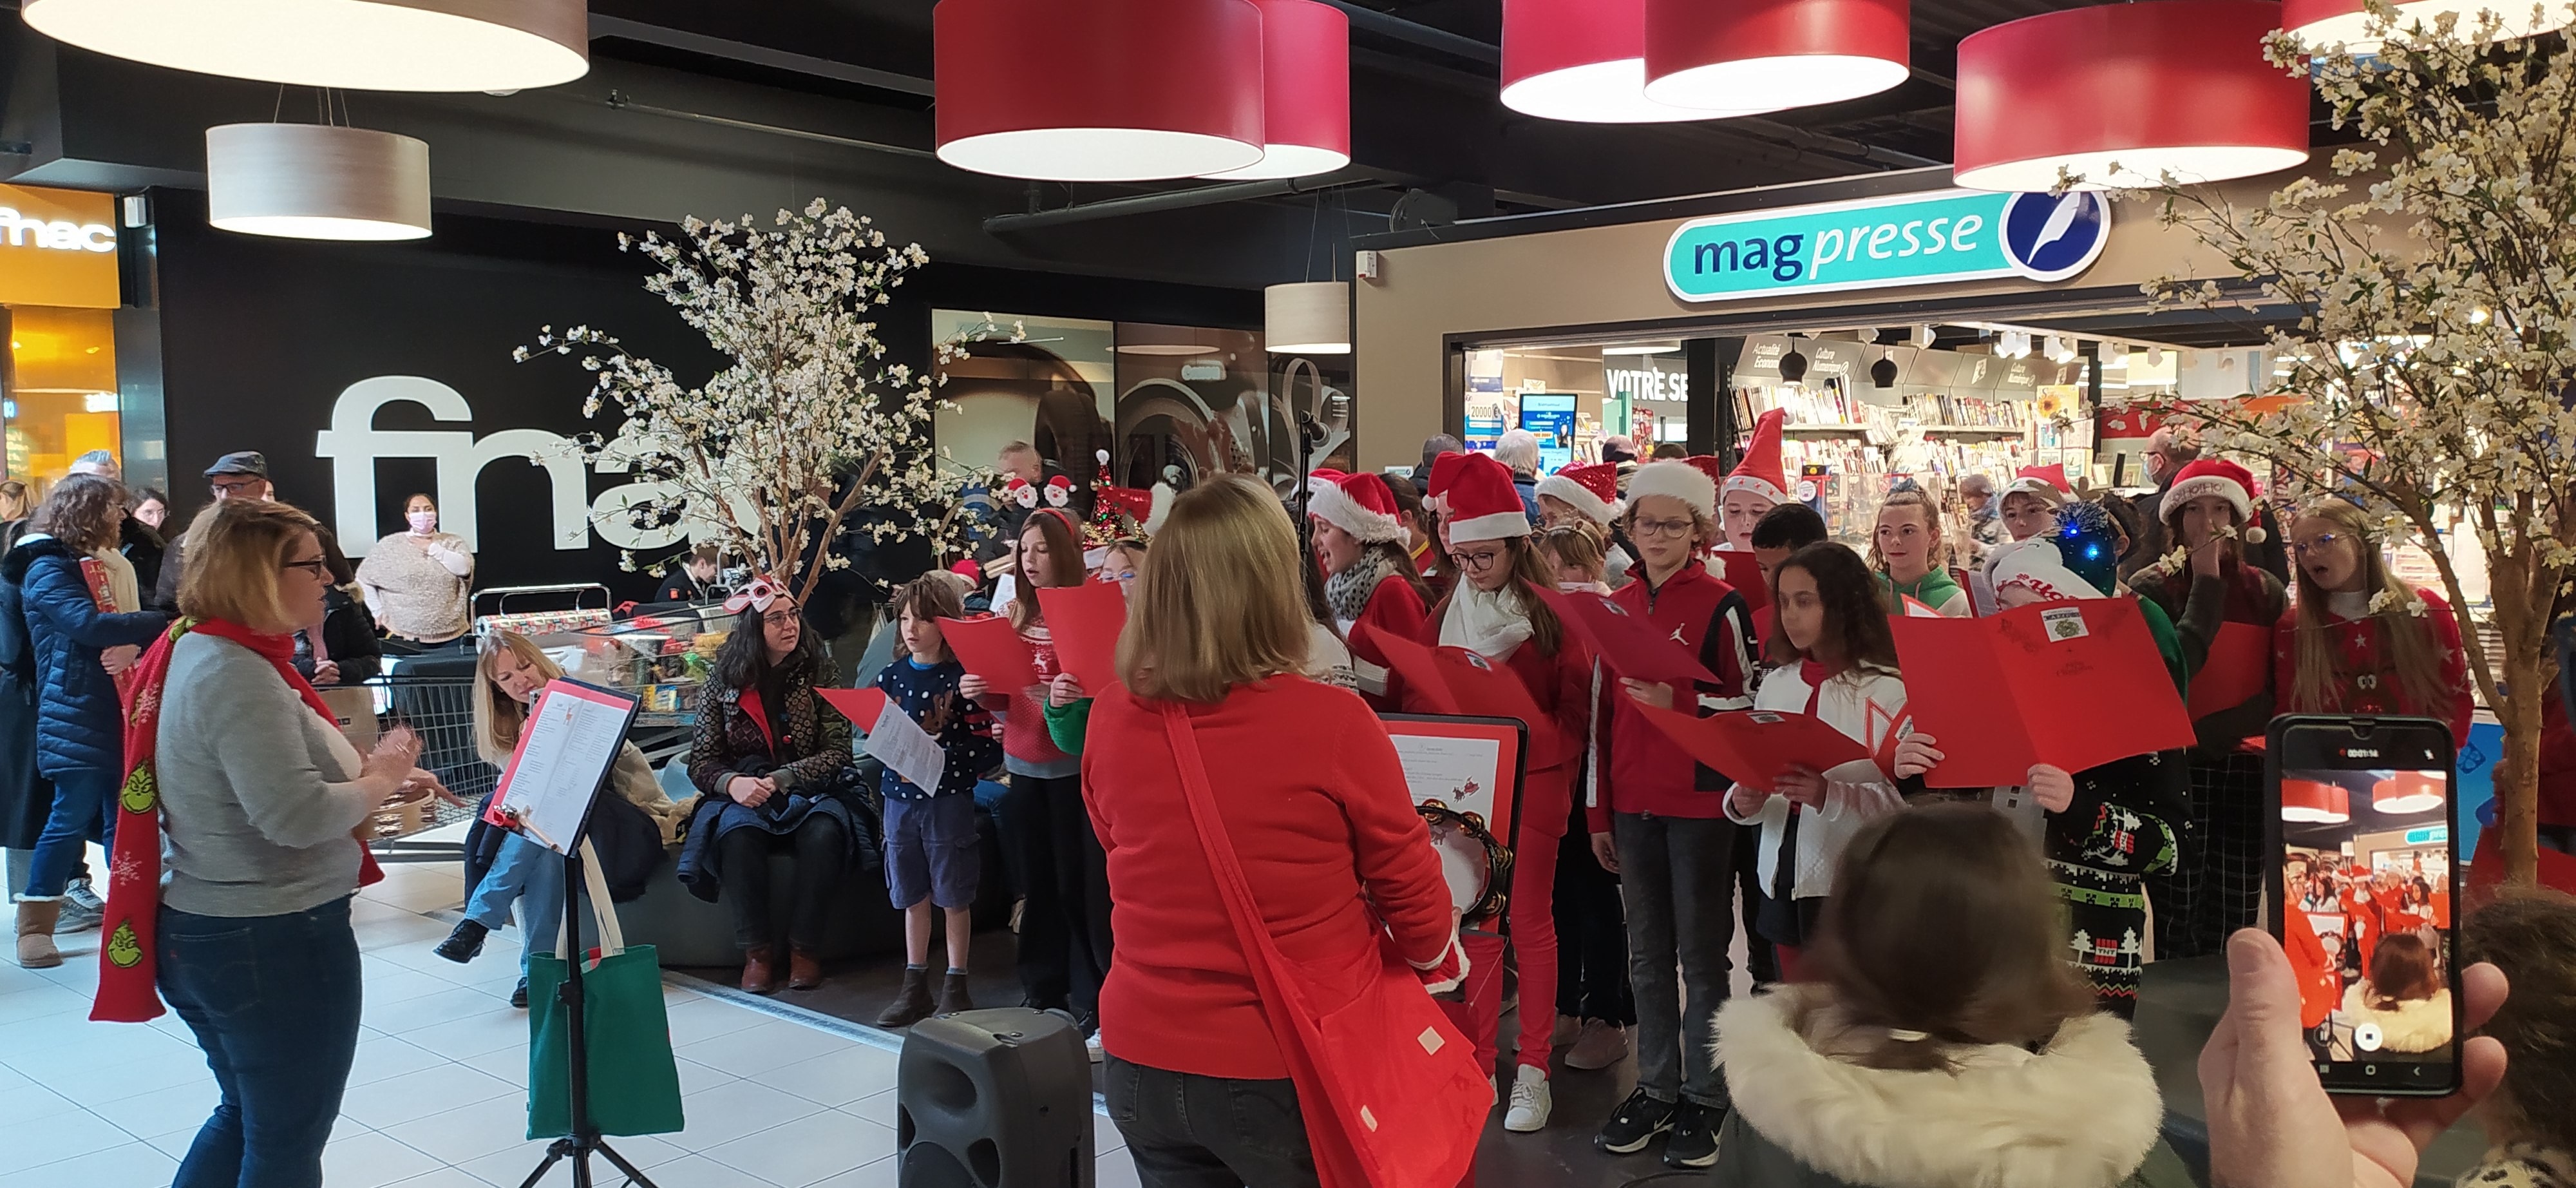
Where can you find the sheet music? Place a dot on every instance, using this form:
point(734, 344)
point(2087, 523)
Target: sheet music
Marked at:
point(570, 742)
point(1458, 772)
point(904, 746)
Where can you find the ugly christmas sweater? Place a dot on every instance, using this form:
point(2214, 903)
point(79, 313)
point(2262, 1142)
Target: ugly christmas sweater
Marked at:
point(928, 692)
point(2365, 678)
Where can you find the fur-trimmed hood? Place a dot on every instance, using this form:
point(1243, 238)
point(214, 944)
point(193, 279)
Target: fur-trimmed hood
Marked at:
point(2413, 1025)
point(2081, 1113)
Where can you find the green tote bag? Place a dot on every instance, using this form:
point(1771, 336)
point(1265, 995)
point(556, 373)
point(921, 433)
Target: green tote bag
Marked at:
point(634, 1079)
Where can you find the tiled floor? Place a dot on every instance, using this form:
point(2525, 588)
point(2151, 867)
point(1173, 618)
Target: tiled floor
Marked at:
point(437, 1097)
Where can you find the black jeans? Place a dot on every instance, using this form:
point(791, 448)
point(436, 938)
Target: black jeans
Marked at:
point(1760, 959)
point(822, 848)
point(1190, 1131)
point(1591, 935)
point(273, 1001)
point(1679, 876)
point(1065, 941)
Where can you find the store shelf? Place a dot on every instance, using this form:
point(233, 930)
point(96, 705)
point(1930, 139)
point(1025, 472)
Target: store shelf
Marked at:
point(1824, 428)
point(2014, 430)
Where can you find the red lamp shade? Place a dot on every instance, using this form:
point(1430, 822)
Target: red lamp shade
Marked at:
point(2310, 802)
point(2327, 22)
point(2407, 792)
point(1306, 90)
point(1756, 55)
point(1585, 61)
point(1103, 90)
point(2122, 94)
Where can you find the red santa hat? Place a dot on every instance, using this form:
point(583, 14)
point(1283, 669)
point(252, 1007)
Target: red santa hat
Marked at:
point(2047, 482)
point(1483, 504)
point(1708, 464)
point(1759, 472)
point(1359, 504)
point(2219, 477)
point(1321, 477)
point(1592, 490)
point(1678, 480)
point(1444, 471)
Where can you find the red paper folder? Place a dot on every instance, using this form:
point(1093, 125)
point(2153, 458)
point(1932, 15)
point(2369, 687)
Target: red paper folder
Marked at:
point(1742, 571)
point(1085, 621)
point(1457, 681)
point(989, 647)
point(2028, 686)
point(1628, 642)
point(2239, 667)
point(861, 706)
point(1757, 747)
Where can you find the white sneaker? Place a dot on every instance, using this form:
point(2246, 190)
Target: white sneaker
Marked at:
point(1091, 1045)
point(1530, 1101)
point(1600, 1046)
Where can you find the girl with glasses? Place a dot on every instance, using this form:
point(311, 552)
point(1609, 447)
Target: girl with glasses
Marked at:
point(2360, 640)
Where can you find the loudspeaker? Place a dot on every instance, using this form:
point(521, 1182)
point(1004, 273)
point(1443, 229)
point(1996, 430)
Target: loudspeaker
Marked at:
point(994, 1099)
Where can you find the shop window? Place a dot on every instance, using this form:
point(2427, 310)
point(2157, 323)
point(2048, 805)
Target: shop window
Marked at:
point(58, 397)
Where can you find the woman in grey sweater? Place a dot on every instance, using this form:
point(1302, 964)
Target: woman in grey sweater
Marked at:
point(258, 798)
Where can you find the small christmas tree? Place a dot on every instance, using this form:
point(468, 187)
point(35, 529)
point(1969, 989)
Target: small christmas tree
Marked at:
point(1106, 522)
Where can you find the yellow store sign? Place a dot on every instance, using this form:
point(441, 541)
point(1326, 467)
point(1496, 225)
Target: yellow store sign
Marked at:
point(57, 248)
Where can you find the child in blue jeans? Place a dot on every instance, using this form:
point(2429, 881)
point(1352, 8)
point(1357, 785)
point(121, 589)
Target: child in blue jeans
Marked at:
point(931, 855)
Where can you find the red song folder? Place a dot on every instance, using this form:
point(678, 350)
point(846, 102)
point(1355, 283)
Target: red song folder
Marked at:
point(861, 706)
point(2239, 667)
point(1742, 571)
point(1757, 747)
point(1457, 681)
point(989, 647)
point(2040, 684)
point(1628, 642)
point(1085, 621)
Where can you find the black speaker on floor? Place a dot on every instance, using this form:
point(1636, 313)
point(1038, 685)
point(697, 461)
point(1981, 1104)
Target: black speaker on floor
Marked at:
point(994, 1099)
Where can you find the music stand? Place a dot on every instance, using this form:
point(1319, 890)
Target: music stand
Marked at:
point(584, 1140)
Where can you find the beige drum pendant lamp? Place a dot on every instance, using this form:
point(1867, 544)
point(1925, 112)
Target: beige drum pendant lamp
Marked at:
point(374, 45)
point(1307, 318)
point(316, 181)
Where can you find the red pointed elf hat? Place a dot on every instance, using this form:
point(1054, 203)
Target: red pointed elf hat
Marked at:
point(1760, 472)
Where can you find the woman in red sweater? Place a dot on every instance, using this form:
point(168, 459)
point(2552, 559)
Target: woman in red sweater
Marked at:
point(1314, 803)
point(1495, 611)
point(1368, 577)
point(2358, 642)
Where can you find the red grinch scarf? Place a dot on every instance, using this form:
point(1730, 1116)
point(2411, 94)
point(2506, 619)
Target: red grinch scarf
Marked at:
point(126, 991)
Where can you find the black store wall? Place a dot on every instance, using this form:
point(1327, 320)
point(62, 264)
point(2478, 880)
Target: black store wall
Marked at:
point(262, 338)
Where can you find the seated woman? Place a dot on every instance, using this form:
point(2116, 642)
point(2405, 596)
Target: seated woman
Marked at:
point(2404, 995)
point(1937, 1038)
point(509, 674)
point(773, 763)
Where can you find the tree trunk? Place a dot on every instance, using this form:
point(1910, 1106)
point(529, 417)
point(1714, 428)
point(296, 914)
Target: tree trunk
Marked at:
point(2522, 617)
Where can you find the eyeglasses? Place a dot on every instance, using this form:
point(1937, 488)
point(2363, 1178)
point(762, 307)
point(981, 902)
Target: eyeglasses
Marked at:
point(237, 486)
point(1477, 562)
point(1661, 527)
point(779, 618)
point(319, 567)
point(2322, 540)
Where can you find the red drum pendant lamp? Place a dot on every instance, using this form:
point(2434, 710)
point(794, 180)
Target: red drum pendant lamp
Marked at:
point(2310, 802)
point(1584, 61)
point(2122, 94)
point(1306, 90)
point(2326, 22)
point(1100, 90)
point(2407, 793)
point(1764, 55)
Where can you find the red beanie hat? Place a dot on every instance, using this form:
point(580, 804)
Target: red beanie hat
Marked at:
point(1592, 490)
point(1360, 504)
point(1483, 504)
point(1760, 472)
point(2219, 477)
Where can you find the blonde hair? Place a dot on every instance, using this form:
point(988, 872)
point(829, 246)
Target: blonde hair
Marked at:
point(1219, 602)
point(231, 558)
point(2410, 640)
point(1939, 557)
point(497, 715)
point(14, 501)
point(1579, 545)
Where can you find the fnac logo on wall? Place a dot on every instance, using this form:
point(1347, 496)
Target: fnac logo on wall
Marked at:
point(353, 444)
point(1948, 235)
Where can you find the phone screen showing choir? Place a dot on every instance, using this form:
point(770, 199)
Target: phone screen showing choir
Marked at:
point(2367, 912)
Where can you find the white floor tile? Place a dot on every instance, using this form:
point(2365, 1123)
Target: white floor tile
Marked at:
point(104, 1045)
point(93, 1086)
point(39, 999)
point(647, 1151)
point(430, 1010)
point(403, 986)
point(396, 1100)
point(1105, 1136)
point(473, 1035)
point(802, 1152)
point(707, 1018)
point(876, 1107)
point(508, 1064)
point(695, 1077)
point(883, 1173)
point(13, 978)
point(418, 931)
point(26, 1101)
point(728, 1112)
point(372, 1161)
point(1117, 1169)
point(467, 1133)
point(126, 1165)
point(184, 1107)
point(509, 1167)
point(768, 1045)
point(697, 1171)
point(856, 1071)
point(35, 1142)
point(386, 1056)
point(446, 1177)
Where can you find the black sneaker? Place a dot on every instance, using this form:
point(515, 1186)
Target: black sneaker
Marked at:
point(1638, 1121)
point(464, 944)
point(1694, 1141)
point(519, 997)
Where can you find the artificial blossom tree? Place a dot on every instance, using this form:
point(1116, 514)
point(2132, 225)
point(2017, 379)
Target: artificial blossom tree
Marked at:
point(2429, 374)
point(807, 431)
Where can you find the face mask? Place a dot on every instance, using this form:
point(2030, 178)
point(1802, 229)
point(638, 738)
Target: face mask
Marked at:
point(423, 523)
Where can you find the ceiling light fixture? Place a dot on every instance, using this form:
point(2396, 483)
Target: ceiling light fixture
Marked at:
point(2322, 23)
point(1306, 318)
point(1793, 366)
point(1642, 348)
point(2120, 95)
point(316, 181)
point(1103, 91)
point(1924, 337)
point(1752, 55)
point(1305, 91)
point(376, 45)
point(1583, 61)
point(2407, 792)
point(2311, 802)
point(1882, 374)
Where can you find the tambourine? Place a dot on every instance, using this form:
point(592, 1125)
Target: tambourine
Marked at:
point(1478, 868)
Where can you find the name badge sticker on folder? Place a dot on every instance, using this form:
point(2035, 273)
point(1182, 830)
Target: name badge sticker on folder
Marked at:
point(2064, 623)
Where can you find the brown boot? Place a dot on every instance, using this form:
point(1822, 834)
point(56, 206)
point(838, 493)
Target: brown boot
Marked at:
point(952, 994)
point(36, 934)
point(760, 969)
point(912, 1003)
point(804, 969)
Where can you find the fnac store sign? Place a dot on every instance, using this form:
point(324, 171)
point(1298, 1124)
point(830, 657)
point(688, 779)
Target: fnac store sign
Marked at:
point(57, 247)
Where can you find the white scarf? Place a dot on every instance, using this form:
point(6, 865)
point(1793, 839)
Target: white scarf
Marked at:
point(1489, 624)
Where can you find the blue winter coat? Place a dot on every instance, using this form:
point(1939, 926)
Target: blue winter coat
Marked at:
point(80, 721)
